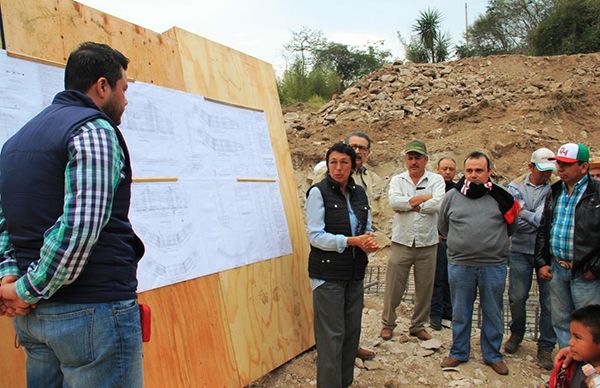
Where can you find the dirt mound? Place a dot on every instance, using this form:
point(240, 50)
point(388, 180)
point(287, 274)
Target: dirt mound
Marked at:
point(505, 105)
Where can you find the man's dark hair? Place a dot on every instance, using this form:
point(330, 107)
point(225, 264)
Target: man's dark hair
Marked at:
point(478, 155)
point(589, 316)
point(344, 149)
point(359, 134)
point(90, 61)
point(446, 158)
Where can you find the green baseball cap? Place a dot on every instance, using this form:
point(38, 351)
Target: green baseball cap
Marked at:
point(416, 146)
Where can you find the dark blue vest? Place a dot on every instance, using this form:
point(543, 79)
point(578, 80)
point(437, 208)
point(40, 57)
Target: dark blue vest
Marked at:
point(352, 262)
point(32, 187)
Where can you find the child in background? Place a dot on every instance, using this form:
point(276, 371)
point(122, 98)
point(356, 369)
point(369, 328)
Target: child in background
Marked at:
point(584, 348)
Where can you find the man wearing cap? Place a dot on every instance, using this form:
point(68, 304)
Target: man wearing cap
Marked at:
point(415, 196)
point(595, 168)
point(477, 217)
point(568, 239)
point(531, 191)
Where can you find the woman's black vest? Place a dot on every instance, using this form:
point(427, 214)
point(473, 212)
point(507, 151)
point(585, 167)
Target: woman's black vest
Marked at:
point(350, 264)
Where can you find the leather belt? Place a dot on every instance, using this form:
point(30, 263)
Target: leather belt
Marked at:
point(564, 263)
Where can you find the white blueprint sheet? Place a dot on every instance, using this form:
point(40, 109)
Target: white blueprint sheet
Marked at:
point(207, 221)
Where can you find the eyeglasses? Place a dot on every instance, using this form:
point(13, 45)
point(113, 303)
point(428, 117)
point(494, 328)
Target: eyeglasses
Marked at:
point(359, 147)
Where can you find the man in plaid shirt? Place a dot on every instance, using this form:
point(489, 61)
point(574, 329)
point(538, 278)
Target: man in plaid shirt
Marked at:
point(568, 240)
point(68, 253)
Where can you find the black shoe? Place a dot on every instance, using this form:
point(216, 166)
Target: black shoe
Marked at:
point(544, 358)
point(512, 345)
point(435, 324)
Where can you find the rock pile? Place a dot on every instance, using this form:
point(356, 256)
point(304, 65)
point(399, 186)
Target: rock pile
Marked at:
point(454, 91)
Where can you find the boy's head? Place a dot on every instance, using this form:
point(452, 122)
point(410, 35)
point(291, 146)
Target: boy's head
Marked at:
point(585, 334)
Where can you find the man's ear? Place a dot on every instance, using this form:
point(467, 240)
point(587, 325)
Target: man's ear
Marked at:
point(103, 87)
point(99, 91)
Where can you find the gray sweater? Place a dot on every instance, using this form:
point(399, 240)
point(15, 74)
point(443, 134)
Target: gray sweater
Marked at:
point(475, 230)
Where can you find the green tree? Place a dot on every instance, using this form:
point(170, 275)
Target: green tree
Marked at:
point(429, 44)
point(442, 47)
point(573, 27)
point(427, 28)
point(320, 68)
point(350, 63)
point(303, 45)
point(414, 51)
point(505, 27)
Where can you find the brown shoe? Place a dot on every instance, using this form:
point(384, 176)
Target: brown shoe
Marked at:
point(451, 362)
point(422, 334)
point(365, 354)
point(499, 367)
point(386, 333)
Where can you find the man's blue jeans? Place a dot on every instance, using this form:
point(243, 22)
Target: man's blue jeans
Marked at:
point(464, 282)
point(568, 295)
point(82, 345)
point(521, 275)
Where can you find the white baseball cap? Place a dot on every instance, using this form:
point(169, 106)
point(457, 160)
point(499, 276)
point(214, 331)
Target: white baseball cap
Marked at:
point(540, 158)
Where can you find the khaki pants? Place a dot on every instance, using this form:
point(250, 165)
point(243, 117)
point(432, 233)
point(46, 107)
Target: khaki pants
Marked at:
point(396, 279)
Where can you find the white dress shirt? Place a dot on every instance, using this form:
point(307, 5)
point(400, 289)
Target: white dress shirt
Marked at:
point(411, 228)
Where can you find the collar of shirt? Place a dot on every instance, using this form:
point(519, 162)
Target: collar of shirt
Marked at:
point(425, 177)
point(578, 188)
point(528, 183)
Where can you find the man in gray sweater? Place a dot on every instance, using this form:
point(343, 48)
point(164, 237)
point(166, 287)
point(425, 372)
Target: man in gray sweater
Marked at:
point(477, 218)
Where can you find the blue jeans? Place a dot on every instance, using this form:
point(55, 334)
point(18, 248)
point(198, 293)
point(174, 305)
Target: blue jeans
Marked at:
point(568, 295)
point(82, 345)
point(521, 275)
point(441, 305)
point(464, 282)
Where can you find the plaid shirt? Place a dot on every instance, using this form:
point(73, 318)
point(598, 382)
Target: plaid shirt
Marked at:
point(92, 174)
point(563, 221)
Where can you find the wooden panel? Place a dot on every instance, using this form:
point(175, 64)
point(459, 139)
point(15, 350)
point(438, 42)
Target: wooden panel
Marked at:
point(33, 30)
point(12, 361)
point(268, 304)
point(154, 58)
point(190, 344)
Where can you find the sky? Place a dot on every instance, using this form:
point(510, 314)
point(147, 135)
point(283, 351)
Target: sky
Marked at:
point(261, 27)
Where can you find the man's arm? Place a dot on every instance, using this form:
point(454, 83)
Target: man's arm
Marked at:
point(91, 177)
point(398, 199)
point(8, 263)
point(9, 270)
point(438, 190)
point(528, 222)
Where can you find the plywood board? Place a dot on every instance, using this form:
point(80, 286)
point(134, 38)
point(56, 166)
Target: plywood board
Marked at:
point(260, 299)
point(190, 344)
point(154, 58)
point(12, 359)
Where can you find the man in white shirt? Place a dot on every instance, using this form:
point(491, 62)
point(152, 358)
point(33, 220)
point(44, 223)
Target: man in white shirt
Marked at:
point(415, 196)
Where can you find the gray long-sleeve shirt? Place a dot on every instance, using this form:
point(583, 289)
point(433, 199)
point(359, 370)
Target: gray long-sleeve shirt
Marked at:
point(531, 198)
point(476, 231)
